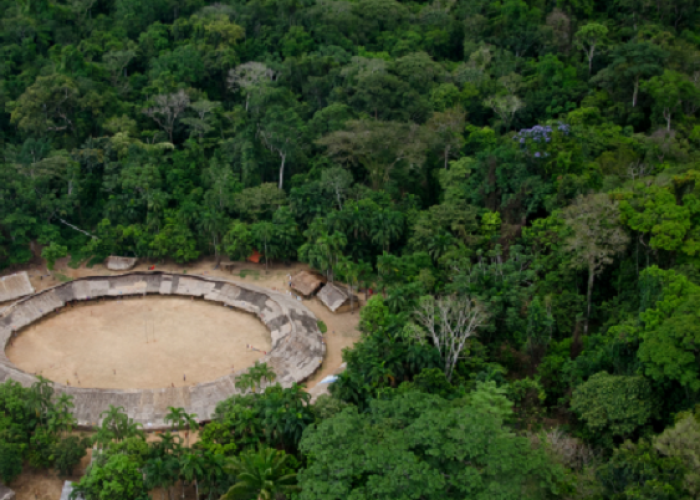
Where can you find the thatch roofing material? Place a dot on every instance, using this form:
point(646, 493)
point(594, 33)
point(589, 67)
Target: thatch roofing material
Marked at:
point(306, 283)
point(333, 297)
point(15, 286)
point(115, 263)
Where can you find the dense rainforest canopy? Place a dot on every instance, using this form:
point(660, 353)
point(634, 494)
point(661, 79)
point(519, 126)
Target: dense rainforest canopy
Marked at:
point(518, 180)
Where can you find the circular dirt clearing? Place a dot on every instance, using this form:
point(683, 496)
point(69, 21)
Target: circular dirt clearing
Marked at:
point(140, 343)
point(195, 341)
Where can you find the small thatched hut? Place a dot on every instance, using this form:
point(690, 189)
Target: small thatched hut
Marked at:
point(15, 286)
point(306, 283)
point(115, 263)
point(335, 298)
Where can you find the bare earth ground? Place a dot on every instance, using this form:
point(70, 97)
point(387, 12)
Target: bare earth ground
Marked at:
point(342, 332)
point(140, 343)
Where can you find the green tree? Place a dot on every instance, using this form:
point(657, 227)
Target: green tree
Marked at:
point(11, 460)
point(180, 420)
point(282, 131)
point(597, 237)
point(52, 253)
point(68, 454)
point(261, 475)
point(116, 426)
point(613, 406)
point(683, 441)
point(589, 38)
point(379, 147)
point(192, 467)
point(637, 471)
point(48, 105)
point(416, 445)
point(161, 473)
point(631, 63)
point(252, 379)
point(445, 131)
point(670, 91)
point(264, 235)
point(118, 479)
point(238, 241)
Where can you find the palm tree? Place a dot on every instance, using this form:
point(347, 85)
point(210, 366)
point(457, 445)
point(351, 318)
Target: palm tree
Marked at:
point(117, 426)
point(60, 418)
point(387, 226)
point(192, 467)
point(261, 475)
point(353, 273)
point(440, 244)
point(214, 472)
point(253, 377)
point(182, 420)
point(161, 473)
point(40, 396)
point(264, 233)
point(169, 444)
point(263, 371)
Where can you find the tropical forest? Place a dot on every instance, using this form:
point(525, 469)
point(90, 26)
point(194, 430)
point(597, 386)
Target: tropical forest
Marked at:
point(516, 182)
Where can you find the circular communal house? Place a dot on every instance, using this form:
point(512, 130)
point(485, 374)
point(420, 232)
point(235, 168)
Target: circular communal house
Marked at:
point(296, 353)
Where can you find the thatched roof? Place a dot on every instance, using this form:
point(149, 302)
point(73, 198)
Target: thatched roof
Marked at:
point(115, 263)
point(306, 283)
point(15, 286)
point(333, 297)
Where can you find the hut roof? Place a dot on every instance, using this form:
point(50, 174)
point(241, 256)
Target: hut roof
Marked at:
point(15, 286)
point(115, 263)
point(333, 297)
point(306, 283)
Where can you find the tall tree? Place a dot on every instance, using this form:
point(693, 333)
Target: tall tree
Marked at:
point(449, 322)
point(597, 237)
point(261, 475)
point(167, 109)
point(632, 63)
point(282, 131)
point(445, 131)
point(589, 38)
point(379, 147)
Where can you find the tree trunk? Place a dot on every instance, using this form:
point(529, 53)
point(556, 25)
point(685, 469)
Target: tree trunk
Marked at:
point(667, 115)
point(265, 246)
point(352, 301)
point(447, 154)
point(589, 295)
point(590, 59)
point(636, 92)
point(284, 159)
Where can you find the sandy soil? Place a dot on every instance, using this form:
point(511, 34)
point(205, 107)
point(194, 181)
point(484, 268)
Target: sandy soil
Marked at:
point(140, 343)
point(342, 328)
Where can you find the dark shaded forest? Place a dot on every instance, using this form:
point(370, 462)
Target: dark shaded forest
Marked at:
point(516, 180)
